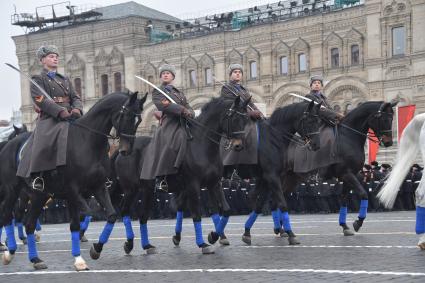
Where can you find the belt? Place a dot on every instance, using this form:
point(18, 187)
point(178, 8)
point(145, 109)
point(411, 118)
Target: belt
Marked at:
point(61, 99)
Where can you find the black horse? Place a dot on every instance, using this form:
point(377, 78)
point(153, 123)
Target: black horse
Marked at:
point(87, 167)
point(274, 134)
point(202, 167)
point(352, 133)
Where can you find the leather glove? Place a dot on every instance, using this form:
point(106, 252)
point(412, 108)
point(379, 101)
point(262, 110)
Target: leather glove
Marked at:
point(75, 113)
point(255, 114)
point(187, 113)
point(64, 115)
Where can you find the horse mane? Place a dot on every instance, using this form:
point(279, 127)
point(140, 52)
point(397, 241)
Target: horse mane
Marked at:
point(362, 107)
point(115, 99)
point(281, 114)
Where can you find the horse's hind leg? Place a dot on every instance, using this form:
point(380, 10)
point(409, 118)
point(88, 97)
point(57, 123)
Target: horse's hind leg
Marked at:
point(144, 213)
point(37, 202)
point(7, 221)
point(102, 196)
point(343, 209)
point(289, 184)
point(130, 194)
point(352, 180)
point(218, 200)
point(19, 215)
point(85, 219)
point(179, 218)
point(258, 197)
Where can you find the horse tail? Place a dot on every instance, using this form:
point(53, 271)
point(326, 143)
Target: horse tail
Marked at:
point(407, 152)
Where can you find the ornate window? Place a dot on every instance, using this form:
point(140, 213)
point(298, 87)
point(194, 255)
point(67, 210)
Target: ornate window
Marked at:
point(77, 86)
point(283, 65)
point(206, 65)
point(207, 76)
point(399, 40)
point(117, 81)
point(190, 71)
point(253, 70)
point(192, 78)
point(334, 57)
point(104, 84)
point(302, 63)
point(355, 55)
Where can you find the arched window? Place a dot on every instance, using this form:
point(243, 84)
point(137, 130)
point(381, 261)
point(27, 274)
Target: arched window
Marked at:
point(117, 81)
point(302, 62)
point(208, 76)
point(399, 40)
point(355, 55)
point(151, 80)
point(192, 78)
point(77, 86)
point(283, 65)
point(253, 70)
point(104, 84)
point(334, 57)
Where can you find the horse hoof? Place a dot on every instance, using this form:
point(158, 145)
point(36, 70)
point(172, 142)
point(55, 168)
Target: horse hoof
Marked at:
point(283, 234)
point(293, 241)
point(37, 238)
point(39, 265)
point(246, 239)
point(357, 225)
point(224, 241)
point(206, 250)
point(176, 240)
point(128, 246)
point(83, 239)
point(93, 253)
point(80, 264)
point(421, 243)
point(3, 248)
point(24, 240)
point(212, 237)
point(7, 257)
point(348, 232)
point(151, 251)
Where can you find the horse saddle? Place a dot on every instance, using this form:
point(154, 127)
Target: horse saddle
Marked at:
point(305, 160)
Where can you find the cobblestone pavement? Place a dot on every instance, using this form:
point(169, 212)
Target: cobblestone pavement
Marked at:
point(384, 250)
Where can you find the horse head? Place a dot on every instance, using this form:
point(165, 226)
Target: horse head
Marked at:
point(233, 123)
point(309, 125)
point(126, 121)
point(382, 122)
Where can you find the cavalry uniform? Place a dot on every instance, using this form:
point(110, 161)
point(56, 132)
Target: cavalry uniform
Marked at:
point(248, 155)
point(167, 149)
point(46, 147)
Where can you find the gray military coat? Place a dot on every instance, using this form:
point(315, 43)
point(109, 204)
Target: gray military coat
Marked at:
point(46, 147)
point(167, 149)
point(249, 153)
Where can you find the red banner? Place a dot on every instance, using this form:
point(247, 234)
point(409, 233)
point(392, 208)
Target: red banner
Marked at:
point(404, 115)
point(373, 146)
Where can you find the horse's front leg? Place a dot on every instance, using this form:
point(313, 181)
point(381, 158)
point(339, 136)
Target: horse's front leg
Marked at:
point(352, 180)
point(144, 213)
point(74, 207)
point(6, 215)
point(181, 201)
point(129, 196)
point(343, 210)
point(258, 198)
point(193, 201)
point(102, 196)
point(218, 201)
point(85, 218)
point(37, 202)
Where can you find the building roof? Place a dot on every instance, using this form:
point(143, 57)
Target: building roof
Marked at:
point(133, 9)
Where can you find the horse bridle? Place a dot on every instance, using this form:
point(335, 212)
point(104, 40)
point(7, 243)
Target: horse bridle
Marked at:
point(377, 116)
point(307, 137)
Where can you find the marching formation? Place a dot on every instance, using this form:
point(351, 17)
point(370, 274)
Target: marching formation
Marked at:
point(68, 156)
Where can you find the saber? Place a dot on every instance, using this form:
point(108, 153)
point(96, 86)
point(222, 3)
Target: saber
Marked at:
point(157, 88)
point(235, 94)
point(304, 98)
point(31, 80)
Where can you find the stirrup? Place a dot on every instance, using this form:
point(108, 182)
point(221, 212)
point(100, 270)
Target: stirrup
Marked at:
point(162, 185)
point(38, 184)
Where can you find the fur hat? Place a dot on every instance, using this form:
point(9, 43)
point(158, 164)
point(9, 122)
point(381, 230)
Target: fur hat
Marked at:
point(316, 78)
point(233, 67)
point(168, 68)
point(45, 50)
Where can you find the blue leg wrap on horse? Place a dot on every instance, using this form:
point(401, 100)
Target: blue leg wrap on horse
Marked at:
point(198, 233)
point(126, 220)
point(85, 224)
point(107, 230)
point(75, 239)
point(251, 220)
point(286, 221)
point(144, 234)
point(20, 230)
point(32, 248)
point(363, 208)
point(179, 222)
point(343, 215)
point(38, 225)
point(10, 235)
point(276, 218)
point(1, 230)
point(216, 220)
point(420, 220)
point(222, 225)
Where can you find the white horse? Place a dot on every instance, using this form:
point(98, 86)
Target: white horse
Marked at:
point(412, 141)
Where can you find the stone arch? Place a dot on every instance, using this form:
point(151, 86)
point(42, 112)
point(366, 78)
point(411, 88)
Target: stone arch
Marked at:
point(300, 46)
point(101, 58)
point(116, 57)
point(189, 65)
point(75, 69)
point(250, 55)
point(206, 61)
point(332, 41)
point(234, 57)
point(346, 90)
point(353, 37)
point(281, 50)
point(282, 98)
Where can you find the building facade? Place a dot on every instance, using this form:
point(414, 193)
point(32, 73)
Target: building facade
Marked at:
point(371, 51)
